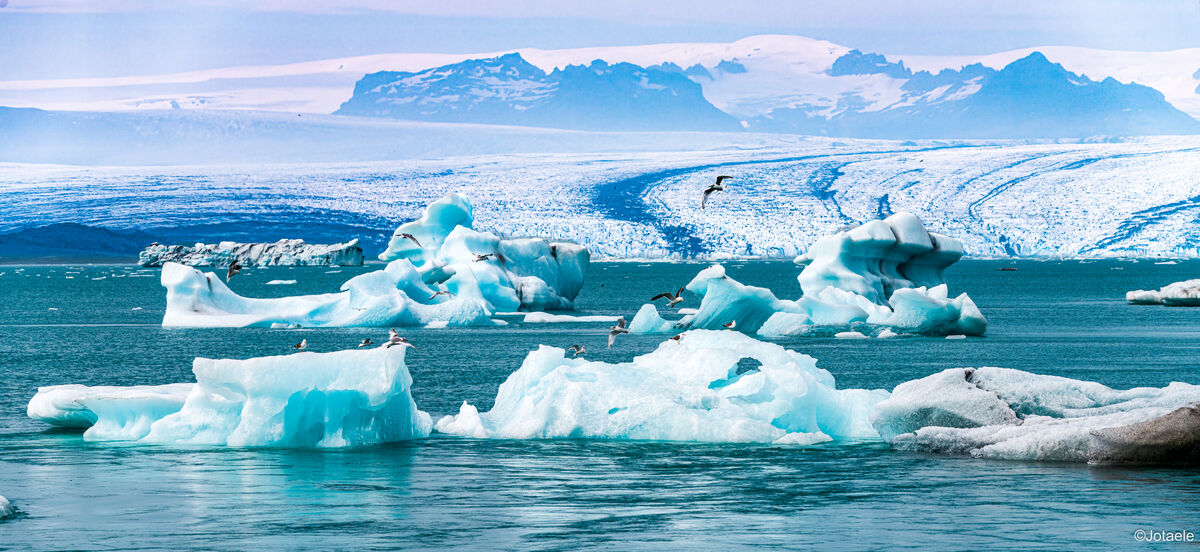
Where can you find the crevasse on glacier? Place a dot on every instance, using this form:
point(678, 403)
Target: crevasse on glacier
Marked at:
point(885, 272)
point(339, 399)
point(456, 276)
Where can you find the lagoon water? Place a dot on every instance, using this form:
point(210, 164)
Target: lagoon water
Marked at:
point(100, 325)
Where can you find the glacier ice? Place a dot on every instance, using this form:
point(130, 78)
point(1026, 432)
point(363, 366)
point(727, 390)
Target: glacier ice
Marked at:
point(1010, 414)
point(885, 272)
point(280, 253)
point(456, 277)
point(712, 386)
point(339, 399)
point(1178, 294)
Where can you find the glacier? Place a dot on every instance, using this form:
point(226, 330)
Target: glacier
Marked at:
point(292, 252)
point(1177, 294)
point(456, 276)
point(708, 386)
point(885, 273)
point(339, 399)
point(1009, 414)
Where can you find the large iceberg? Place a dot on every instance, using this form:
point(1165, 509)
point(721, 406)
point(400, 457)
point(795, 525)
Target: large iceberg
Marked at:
point(280, 253)
point(456, 277)
point(1010, 414)
point(705, 386)
point(1178, 294)
point(340, 399)
point(886, 273)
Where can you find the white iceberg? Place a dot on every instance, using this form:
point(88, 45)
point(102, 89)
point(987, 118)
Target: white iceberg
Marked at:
point(706, 386)
point(340, 399)
point(280, 253)
point(456, 277)
point(1178, 294)
point(1009, 414)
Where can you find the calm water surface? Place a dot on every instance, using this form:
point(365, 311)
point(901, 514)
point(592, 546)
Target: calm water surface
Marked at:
point(61, 324)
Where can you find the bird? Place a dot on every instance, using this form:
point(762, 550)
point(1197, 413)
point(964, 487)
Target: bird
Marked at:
point(577, 350)
point(408, 236)
point(614, 331)
point(717, 187)
point(440, 292)
point(554, 251)
point(677, 338)
point(395, 339)
point(234, 269)
point(302, 345)
point(672, 299)
point(479, 257)
point(366, 342)
point(731, 324)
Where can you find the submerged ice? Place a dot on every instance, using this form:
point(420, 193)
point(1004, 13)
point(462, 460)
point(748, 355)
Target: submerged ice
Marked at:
point(338, 399)
point(439, 272)
point(885, 273)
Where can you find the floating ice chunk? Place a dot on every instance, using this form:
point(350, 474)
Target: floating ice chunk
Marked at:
point(281, 282)
point(439, 219)
point(887, 333)
point(338, 399)
point(1178, 294)
point(280, 253)
point(803, 439)
point(714, 386)
point(849, 335)
point(543, 317)
point(6, 508)
point(1010, 414)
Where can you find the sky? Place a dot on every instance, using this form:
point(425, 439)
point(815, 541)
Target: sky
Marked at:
point(50, 39)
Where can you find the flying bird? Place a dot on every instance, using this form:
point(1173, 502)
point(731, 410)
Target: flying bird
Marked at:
point(234, 269)
point(440, 292)
point(713, 188)
point(395, 339)
point(672, 299)
point(302, 345)
point(411, 237)
point(366, 342)
point(577, 350)
point(614, 331)
point(479, 257)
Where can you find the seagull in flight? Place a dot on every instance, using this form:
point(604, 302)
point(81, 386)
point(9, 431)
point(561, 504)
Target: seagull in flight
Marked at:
point(577, 350)
point(234, 269)
point(395, 339)
point(479, 257)
point(366, 342)
point(712, 188)
point(410, 237)
point(614, 331)
point(672, 299)
point(440, 292)
point(302, 345)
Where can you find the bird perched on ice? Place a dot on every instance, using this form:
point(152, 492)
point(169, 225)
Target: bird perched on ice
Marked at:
point(302, 345)
point(395, 339)
point(672, 299)
point(731, 325)
point(713, 188)
point(677, 338)
point(410, 237)
point(614, 331)
point(440, 292)
point(577, 350)
point(234, 269)
point(366, 342)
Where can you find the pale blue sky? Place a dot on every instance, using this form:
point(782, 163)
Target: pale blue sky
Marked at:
point(75, 38)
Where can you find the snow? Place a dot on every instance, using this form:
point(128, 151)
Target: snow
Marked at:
point(1010, 414)
point(685, 390)
point(1178, 294)
point(339, 399)
point(449, 285)
point(876, 274)
point(281, 253)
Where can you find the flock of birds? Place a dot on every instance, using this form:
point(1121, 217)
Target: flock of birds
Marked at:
point(621, 326)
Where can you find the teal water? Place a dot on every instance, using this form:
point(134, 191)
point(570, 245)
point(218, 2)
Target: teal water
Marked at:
point(1064, 318)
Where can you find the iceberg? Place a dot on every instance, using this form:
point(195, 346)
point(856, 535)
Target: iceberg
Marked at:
point(1178, 294)
point(885, 273)
point(440, 272)
point(1010, 414)
point(7, 510)
point(708, 386)
point(280, 253)
point(339, 399)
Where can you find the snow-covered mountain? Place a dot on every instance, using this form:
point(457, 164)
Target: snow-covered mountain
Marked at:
point(509, 90)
